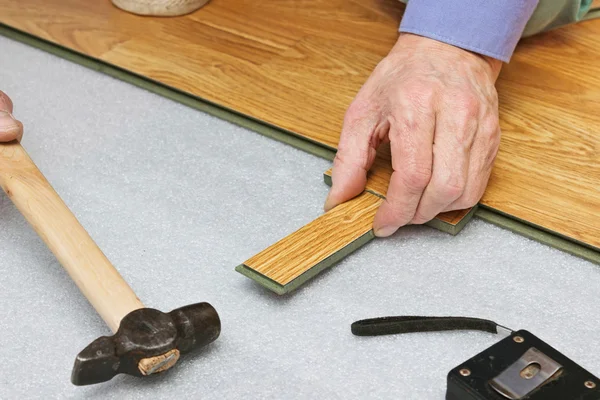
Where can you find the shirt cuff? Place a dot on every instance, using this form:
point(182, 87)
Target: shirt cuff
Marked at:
point(488, 27)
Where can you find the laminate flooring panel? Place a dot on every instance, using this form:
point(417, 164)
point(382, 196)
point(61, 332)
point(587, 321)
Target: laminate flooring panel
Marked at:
point(302, 255)
point(296, 65)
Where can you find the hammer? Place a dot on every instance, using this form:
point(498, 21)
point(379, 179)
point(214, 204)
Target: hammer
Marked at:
point(145, 341)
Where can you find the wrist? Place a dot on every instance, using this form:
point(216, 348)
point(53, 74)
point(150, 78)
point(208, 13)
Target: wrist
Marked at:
point(494, 64)
point(411, 43)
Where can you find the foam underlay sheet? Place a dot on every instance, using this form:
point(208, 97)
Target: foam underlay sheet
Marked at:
point(177, 199)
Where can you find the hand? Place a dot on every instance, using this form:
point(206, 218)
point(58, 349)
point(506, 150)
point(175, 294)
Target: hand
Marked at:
point(437, 106)
point(10, 128)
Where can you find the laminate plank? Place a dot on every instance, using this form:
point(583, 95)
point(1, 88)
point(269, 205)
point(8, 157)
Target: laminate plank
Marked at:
point(296, 65)
point(450, 222)
point(321, 243)
point(378, 180)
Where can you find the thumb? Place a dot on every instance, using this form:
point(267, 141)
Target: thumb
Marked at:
point(355, 156)
point(10, 128)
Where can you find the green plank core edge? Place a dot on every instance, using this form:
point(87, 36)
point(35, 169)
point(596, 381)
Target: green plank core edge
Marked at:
point(308, 275)
point(539, 235)
point(291, 138)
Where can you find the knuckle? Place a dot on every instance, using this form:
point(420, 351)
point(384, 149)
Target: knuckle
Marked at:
point(469, 200)
point(494, 139)
point(491, 156)
point(343, 158)
point(465, 132)
point(490, 126)
point(452, 189)
point(466, 119)
point(356, 112)
point(411, 122)
point(469, 104)
point(420, 218)
point(348, 156)
point(417, 177)
point(358, 108)
point(339, 159)
point(466, 106)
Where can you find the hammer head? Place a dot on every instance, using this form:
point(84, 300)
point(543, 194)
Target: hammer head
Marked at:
point(148, 341)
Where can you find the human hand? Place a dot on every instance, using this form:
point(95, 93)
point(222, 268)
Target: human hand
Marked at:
point(10, 128)
point(437, 106)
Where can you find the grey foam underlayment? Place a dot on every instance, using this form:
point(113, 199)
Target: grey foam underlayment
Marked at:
point(516, 225)
point(176, 198)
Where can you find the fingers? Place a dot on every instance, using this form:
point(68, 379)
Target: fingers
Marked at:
point(6, 103)
point(10, 127)
point(455, 131)
point(483, 155)
point(356, 153)
point(411, 142)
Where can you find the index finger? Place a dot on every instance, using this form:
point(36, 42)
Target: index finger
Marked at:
point(411, 143)
point(355, 156)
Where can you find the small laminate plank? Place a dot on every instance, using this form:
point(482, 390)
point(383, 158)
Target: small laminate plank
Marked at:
point(378, 181)
point(318, 245)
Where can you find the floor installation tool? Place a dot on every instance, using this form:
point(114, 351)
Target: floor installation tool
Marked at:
point(145, 341)
point(519, 367)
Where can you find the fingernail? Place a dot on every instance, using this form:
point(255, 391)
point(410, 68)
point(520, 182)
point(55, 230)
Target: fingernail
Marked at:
point(7, 121)
point(385, 231)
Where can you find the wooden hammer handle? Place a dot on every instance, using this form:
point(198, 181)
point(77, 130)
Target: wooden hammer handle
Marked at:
point(89, 268)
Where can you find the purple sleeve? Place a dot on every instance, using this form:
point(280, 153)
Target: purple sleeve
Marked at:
point(488, 27)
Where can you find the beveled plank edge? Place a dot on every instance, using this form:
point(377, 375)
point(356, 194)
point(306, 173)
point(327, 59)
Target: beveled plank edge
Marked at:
point(261, 279)
point(435, 223)
point(530, 231)
point(227, 114)
point(291, 138)
point(309, 274)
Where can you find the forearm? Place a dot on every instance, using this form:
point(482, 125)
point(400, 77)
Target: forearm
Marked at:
point(487, 27)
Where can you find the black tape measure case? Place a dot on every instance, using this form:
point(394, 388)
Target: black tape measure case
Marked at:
point(521, 366)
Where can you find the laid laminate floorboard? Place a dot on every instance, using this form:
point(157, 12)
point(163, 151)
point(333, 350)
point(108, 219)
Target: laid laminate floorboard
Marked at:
point(298, 64)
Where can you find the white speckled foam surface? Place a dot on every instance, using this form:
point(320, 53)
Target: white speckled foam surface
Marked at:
point(177, 199)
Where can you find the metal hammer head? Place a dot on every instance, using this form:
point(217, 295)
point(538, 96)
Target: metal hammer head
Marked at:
point(148, 341)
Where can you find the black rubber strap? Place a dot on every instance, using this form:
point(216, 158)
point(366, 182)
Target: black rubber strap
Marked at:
point(412, 324)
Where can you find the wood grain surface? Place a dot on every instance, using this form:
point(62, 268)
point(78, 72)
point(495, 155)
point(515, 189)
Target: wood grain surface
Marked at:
point(297, 64)
point(56, 225)
point(379, 178)
point(295, 254)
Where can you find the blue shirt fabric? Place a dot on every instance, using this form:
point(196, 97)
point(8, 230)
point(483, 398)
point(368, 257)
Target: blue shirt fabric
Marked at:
point(488, 27)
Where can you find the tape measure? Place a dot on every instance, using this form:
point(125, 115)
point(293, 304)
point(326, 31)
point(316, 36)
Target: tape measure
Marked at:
point(519, 367)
